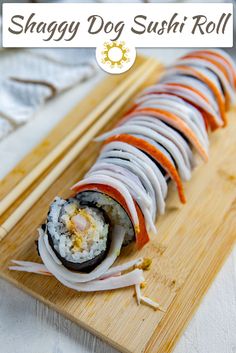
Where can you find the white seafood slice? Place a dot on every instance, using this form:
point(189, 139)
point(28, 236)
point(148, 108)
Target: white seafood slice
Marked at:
point(150, 133)
point(159, 147)
point(199, 70)
point(167, 132)
point(123, 174)
point(188, 94)
point(140, 157)
point(138, 195)
point(74, 280)
point(227, 64)
point(200, 133)
point(49, 248)
point(204, 63)
point(118, 234)
point(148, 139)
point(109, 156)
point(197, 84)
point(34, 267)
point(178, 106)
point(135, 169)
point(126, 280)
point(29, 266)
point(222, 62)
point(228, 59)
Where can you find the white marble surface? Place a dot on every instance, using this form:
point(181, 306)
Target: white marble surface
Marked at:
point(27, 326)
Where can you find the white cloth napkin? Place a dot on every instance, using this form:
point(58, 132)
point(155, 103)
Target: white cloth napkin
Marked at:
point(29, 77)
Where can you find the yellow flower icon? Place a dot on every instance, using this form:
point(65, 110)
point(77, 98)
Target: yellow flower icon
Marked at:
point(115, 54)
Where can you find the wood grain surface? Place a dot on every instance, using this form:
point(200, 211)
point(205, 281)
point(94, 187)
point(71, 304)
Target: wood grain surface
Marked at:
point(192, 243)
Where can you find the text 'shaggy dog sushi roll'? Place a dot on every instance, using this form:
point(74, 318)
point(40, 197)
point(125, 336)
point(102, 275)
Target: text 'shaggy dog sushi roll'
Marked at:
point(121, 196)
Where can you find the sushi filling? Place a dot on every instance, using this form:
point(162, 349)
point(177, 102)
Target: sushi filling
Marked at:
point(77, 233)
point(114, 211)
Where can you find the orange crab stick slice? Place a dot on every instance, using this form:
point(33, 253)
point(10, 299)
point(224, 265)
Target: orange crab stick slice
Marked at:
point(174, 121)
point(226, 58)
point(154, 153)
point(183, 93)
point(141, 233)
point(194, 72)
point(204, 55)
point(219, 70)
point(211, 119)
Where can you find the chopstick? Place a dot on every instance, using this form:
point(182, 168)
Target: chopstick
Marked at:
point(141, 74)
point(68, 141)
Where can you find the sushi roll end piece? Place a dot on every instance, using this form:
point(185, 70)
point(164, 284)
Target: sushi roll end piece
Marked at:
point(79, 229)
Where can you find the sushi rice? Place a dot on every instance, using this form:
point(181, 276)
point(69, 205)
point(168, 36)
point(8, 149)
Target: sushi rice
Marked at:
point(70, 244)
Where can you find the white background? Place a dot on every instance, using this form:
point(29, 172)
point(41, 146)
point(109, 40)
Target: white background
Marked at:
point(27, 326)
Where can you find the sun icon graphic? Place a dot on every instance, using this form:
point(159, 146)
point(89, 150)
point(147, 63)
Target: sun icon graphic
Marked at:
point(115, 54)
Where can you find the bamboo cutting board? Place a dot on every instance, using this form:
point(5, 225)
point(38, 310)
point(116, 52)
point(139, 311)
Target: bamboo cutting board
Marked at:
point(192, 243)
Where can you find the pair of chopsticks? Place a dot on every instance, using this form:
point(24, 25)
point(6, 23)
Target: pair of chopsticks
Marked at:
point(128, 88)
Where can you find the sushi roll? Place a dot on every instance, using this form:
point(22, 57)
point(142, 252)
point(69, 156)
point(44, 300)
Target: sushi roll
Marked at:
point(79, 235)
point(122, 195)
point(79, 229)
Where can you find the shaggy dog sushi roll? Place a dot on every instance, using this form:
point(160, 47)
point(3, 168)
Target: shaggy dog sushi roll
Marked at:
point(121, 197)
point(79, 229)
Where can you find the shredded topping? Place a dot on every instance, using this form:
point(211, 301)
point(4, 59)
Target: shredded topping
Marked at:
point(145, 264)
